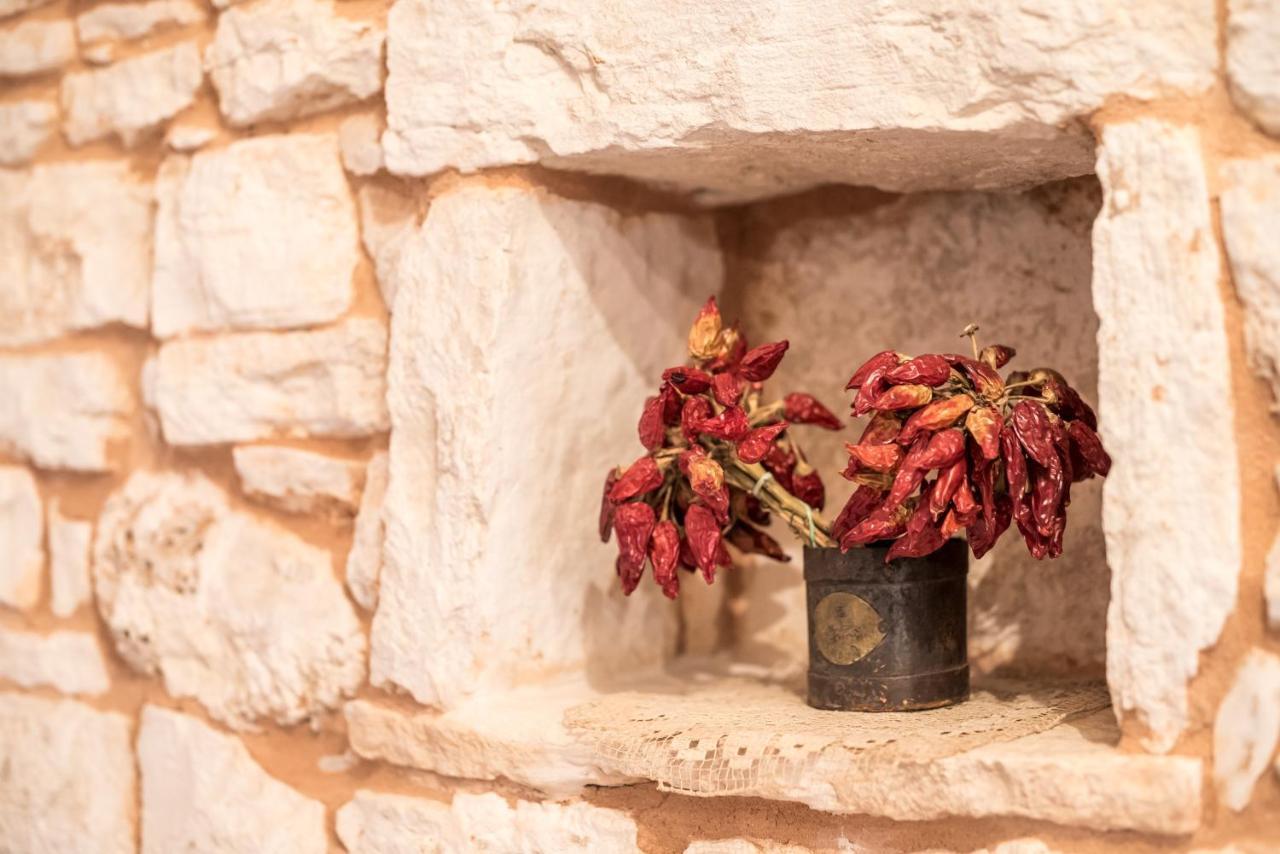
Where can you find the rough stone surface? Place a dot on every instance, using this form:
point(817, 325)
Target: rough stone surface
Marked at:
point(389, 217)
point(21, 538)
point(14, 7)
point(361, 146)
point(494, 288)
point(227, 608)
point(63, 411)
point(182, 137)
point(299, 481)
point(1250, 203)
point(903, 98)
point(744, 846)
point(262, 385)
point(364, 561)
point(67, 780)
point(69, 662)
point(281, 59)
point(1247, 729)
point(69, 543)
point(1272, 587)
point(75, 247)
point(1172, 508)
point(1253, 66)
point(376, 823)
point(132, 96)
point(24, 127)
point(34, 47)
point(908, 273)
point(202, 791)
point(272, 209)
point(127, 21)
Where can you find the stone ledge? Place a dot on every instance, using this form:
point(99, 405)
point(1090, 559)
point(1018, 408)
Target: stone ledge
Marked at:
point(1042, 752)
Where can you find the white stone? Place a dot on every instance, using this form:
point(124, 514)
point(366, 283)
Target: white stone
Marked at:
point(484, 585)
point(1271, 588)
point(182, 137)
point(75, 246)
point(63, 411)
point(67, 779)
point(1247, 728)
point(749, 99)
point(1171, 512)
point(746, 846)
point(281, 59)
point(69, 543)
point(103, 53)
point(127, 21)
point(69, 662)
point(361, 146)
point(389, 216)
point(299, 481)
point(262, 385)
point(364, 561)
point(273, 209)
point(13, 7)
point(21, 538)
point(24, 127)
point(202, 791)
point(378, 823)
point(1253, 66)
point(1250, 203)
point(34, 47)
point(132, 96)
point(228, 608)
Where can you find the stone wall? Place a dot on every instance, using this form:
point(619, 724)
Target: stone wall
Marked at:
point(320, 321)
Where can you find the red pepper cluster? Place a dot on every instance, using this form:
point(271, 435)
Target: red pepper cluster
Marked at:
point(951, 446)
point(709, 443)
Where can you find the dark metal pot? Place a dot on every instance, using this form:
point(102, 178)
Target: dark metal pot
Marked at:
point(887, 637)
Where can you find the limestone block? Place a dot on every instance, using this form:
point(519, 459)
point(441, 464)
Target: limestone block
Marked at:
point(260, 234)
point(364, 561)
point(14, 7)
point(749, 99)
point(63, 411)
point(388, 219)
point(744, 846)
point(1172, 509)
point(34, 47)
point(24, 127)
point(75, 248)
point(282, 59)
point(486, 582)
point(262, 385)
point(181, 137)
point(361, 146)
point(130, 97)
point(374, 822)
point(202, 791)
point(228, 608)
point(299, 481)
point(1250, 203)
point(69, 543)
point(1253, 67)
point(67, 780)
point(1272, 588)
point(1247, 728)
point(21, 538)
point(128, 21)
point(69, 662)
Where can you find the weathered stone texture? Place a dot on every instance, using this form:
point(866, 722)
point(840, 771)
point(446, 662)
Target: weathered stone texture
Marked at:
point(34, 47)
point(69, 662)
point(1247, 728)
point(262, 385)
point(482, 587)
point(130, 97)
point(21, 538)
point(389, 217)
point(202, 791)
point(902, 97)
point(364, 561)
point(1250, 204)
point(184, 137)
point(299, 481)
point(359, 137)
point(63, 411)
point(127, 21)
point(260, 234)
point(14, 7)
point(1172, 507)
point(67, 779)
point(281, 59)
point(228, 608)
point(24, 127)
point(69, 543)
point(75, 247)
point(1253, 65)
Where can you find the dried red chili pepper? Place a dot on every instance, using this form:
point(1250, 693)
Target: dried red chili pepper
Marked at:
point(916, 543)
point(642, 476)
point(1032, 427)
point(753, 509)
point(706, 340)
point(903, 397)
point(704, 539)
point(806, 484)
point(1037, 544)
point(759, 363)
point(706, 477)
point(985, 380)
point(1086, 441)
point(996, 356)
point(687, 380)
point(634, 523)
point(943, 449)
point(883, 524)
point(944, 488)
point(875, 457)
point(755, 447)
point(927, 370)
point(1015, 464)
point(731, 425)
point(1046, 498)
point(883, 427)
point(651, 429)
point(952, 524)
point(861, 503)
point(909, 476)
point(749, 540)
point(687, 457)
point(606, 506)
point(671, 405)
point(984, 532)
point(801, 408)
point(963, 501)
point(695, 411)
point(781, 462)
point(984, 424)
point(984, 476)
point(664, 554)
point(726, 388)
point(882, 361)
point(869, 391)
point(731, 352)
point(935, 416)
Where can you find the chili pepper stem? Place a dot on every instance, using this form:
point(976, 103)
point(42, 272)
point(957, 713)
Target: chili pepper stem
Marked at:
point(793, 510)
point(971, 332)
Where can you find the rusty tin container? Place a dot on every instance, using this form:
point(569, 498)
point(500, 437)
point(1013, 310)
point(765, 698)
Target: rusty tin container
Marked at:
point(887, 637)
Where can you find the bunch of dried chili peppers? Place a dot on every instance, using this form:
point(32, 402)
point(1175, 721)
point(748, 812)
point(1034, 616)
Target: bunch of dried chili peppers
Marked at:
point(718, 463)
point(951, 446)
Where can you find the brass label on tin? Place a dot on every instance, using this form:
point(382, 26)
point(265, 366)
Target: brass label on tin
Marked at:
point(846, 628)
